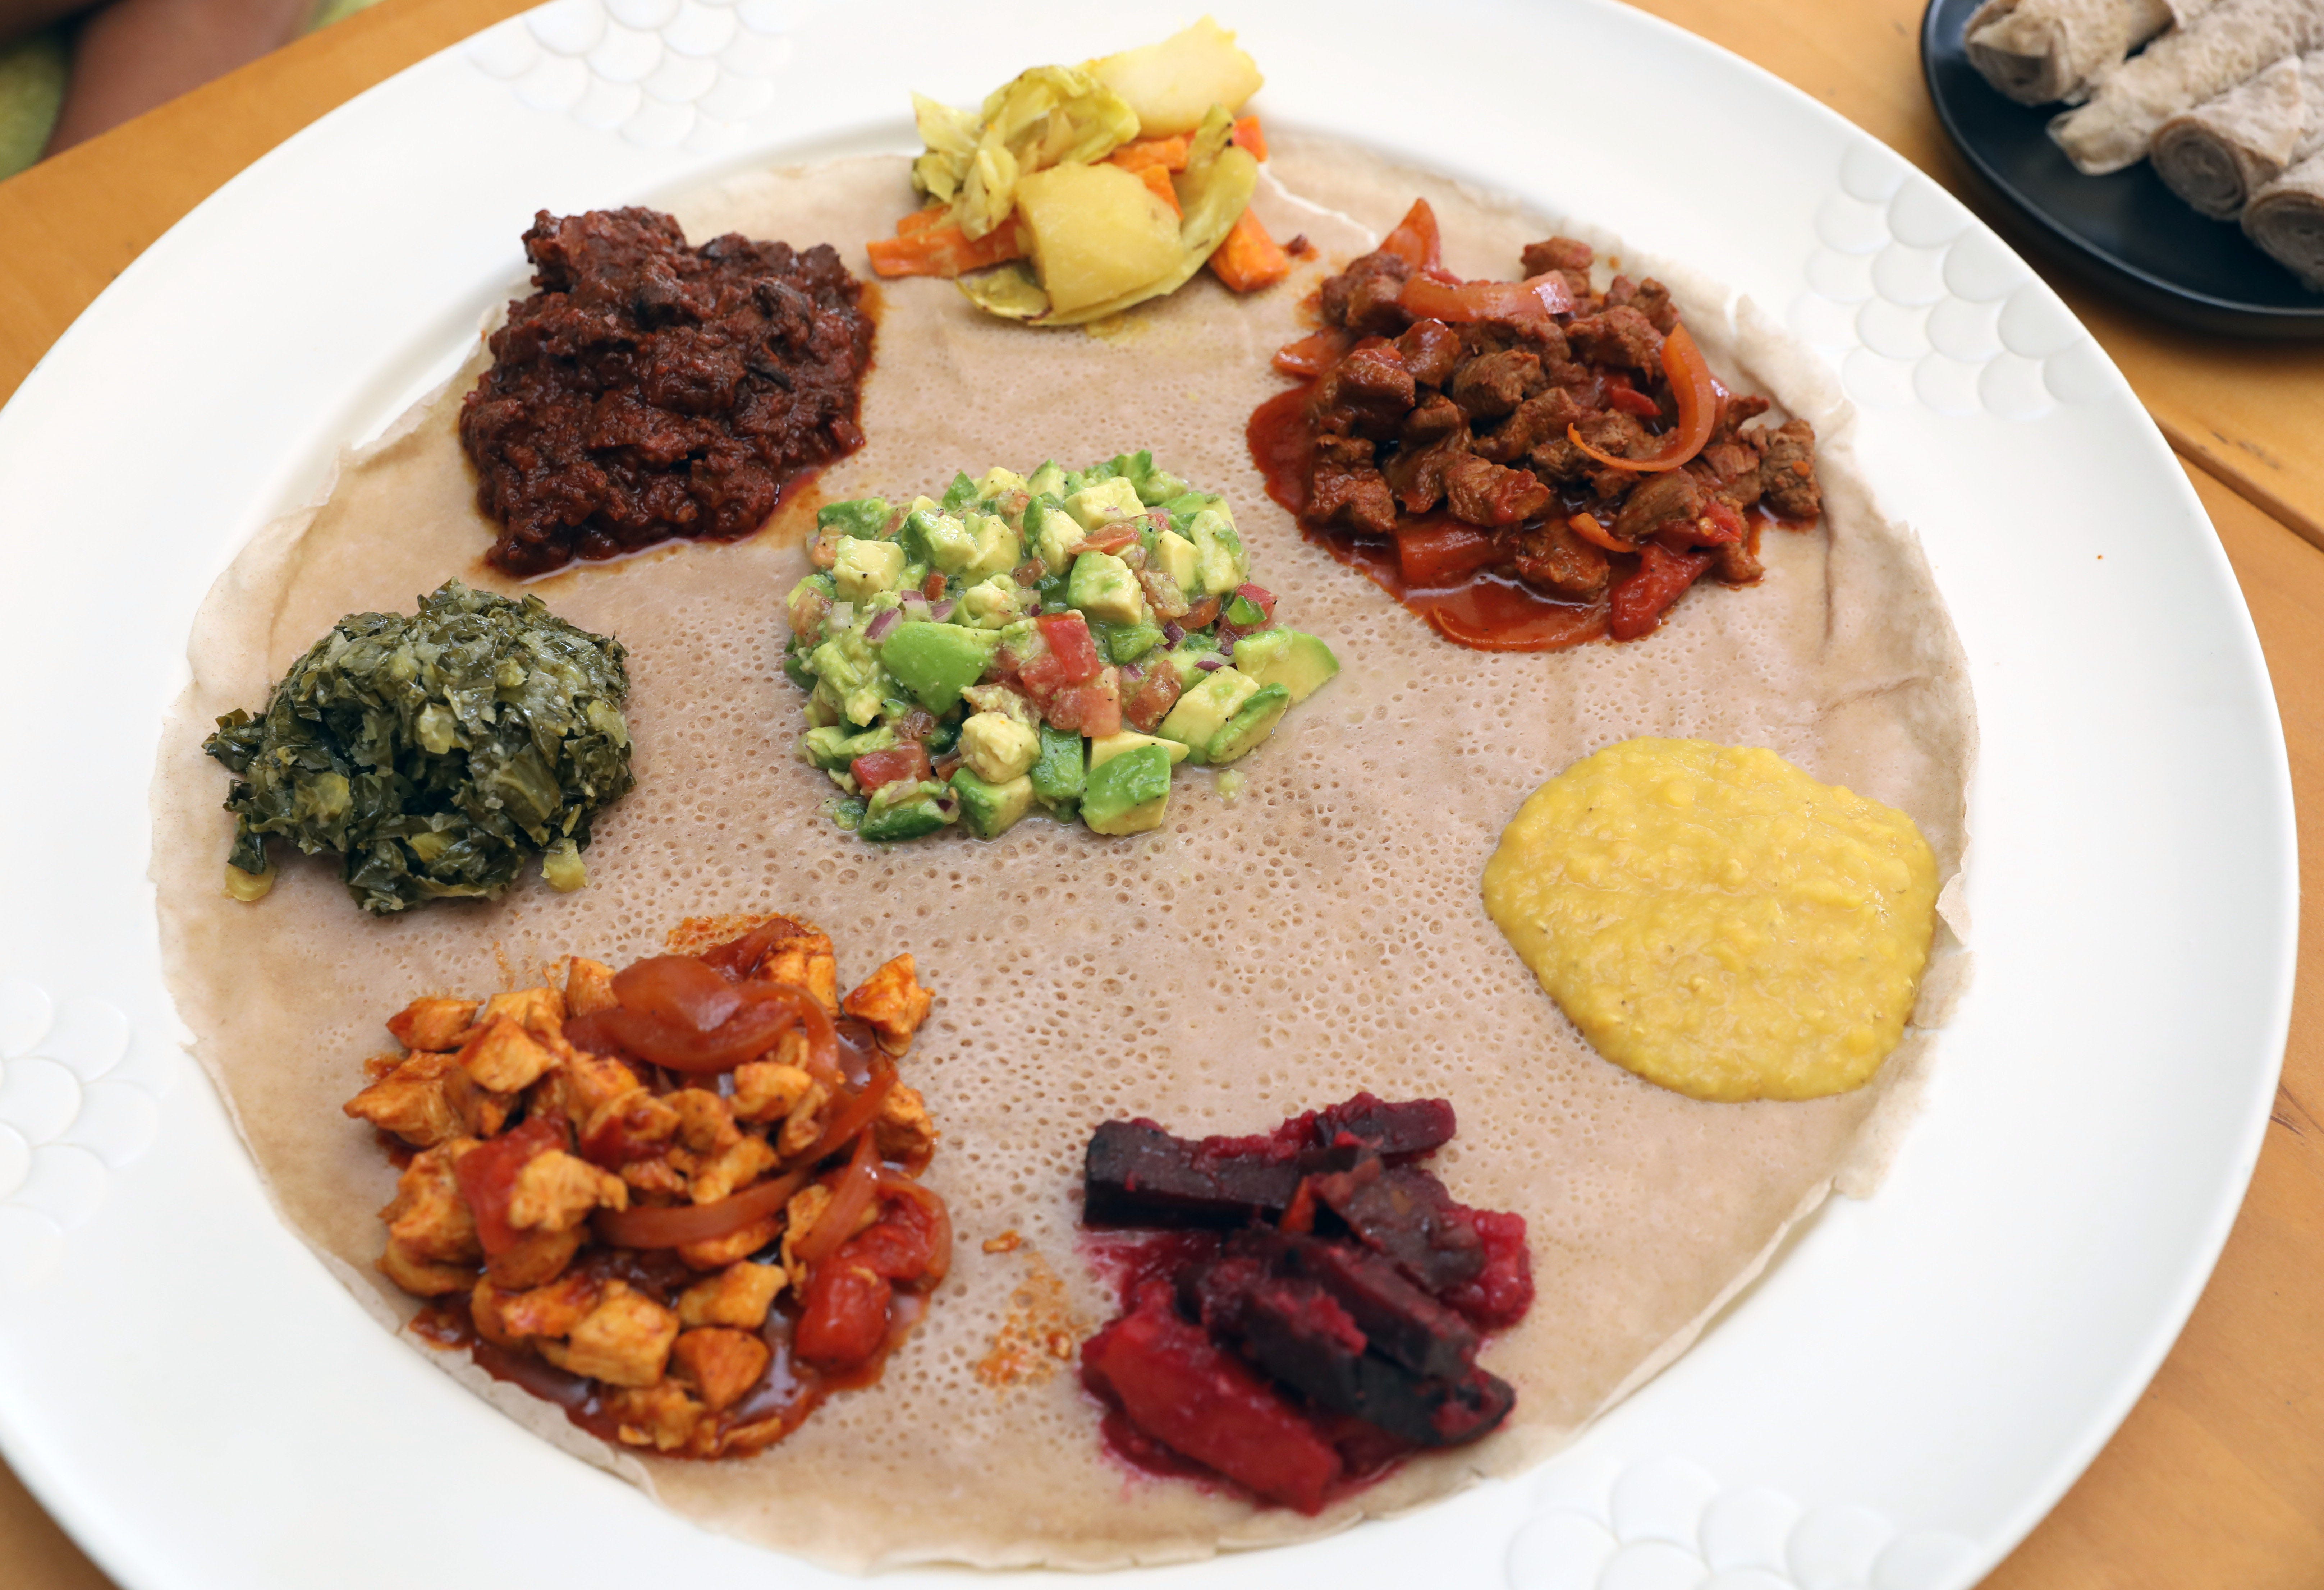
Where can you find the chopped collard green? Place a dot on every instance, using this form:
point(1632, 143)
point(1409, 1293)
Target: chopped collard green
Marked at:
point(435, 753)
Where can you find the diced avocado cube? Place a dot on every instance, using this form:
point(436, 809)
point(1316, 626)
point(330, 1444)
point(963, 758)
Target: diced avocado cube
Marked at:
point(1104, 589)
point(1060, 774)
point(1124, 643)
point(960, 493)
point(866, 516)
point(1220, 562)
point(1103, 503)
point(825, 748)
point(848, 675)
point(1253, 721)
point(997, 747)
point(1104, 749)
point(1298, 662)
point(936, 662)
point(993, 604)
point(795, 668)
point(865, 569)
point(1054, 534)
point(1048, 480)
point(1188, 504)
point(940, 539)
point(1207, 708)
point(991, 810)
point(1130, 794)
point(999, 548)
point(1176, 557)
point(907, 819)
point(999, 482)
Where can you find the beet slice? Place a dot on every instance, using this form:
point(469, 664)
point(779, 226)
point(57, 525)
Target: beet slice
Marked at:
point(1396, 1132)
point(1398, 1318)
point(1137, 1174)
point(1184, 1389)
point(1406, 1213)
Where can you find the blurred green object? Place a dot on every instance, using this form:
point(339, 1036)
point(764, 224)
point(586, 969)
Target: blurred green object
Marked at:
point(33, 83)
point(31, 88)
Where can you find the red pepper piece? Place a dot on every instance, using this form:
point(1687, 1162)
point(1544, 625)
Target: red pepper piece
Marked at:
point(1312, 354)
point(1439, 554)
point(1416, 239)
point(1640, 598)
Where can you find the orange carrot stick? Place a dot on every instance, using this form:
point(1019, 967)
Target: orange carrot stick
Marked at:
point(1246, 133)
point(1250, 259)
point(942, 250)
point(1169, 153)
point(1157, 182)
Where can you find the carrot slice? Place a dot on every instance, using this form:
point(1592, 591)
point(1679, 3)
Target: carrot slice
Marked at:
point(1158, 179)
point(1168, 153)
point(1250, 259)
point(936, 215)
point(942, 250)
point(1246, 133)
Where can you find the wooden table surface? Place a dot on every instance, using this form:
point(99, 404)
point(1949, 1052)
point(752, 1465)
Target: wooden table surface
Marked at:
point(2218, 1476)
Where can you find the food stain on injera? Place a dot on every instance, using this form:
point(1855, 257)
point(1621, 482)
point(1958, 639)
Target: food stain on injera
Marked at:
point(1321, 933)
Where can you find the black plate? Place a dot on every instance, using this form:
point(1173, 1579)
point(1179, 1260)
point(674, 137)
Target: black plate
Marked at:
point(2126, 231)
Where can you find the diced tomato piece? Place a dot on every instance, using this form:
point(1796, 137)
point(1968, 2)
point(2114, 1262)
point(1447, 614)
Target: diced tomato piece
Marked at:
point(874, 769)
point(1312, 354)
point(1111, 537)
point(1070, 643)
point(846, 1314)
point(1151, 701)
point(487, 1177)
point(1640, 598)
point(1260, 598)
point(1442, 552)
point(1202, 615)
point(899, 1247)
point(1094, 708)
point(1183, 1390)
point(933, 587)
point(1620, 394)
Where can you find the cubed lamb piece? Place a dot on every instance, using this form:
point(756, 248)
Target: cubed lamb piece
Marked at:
point(1567, 255)
point(1619, 336)
point(432, 1024)
point(1496, 383)
point(1366, 394)
point(1656, 501)
point(1406, 1213)
point(1491, 495)
point(1434, 417)
point(1416, 475)
point(1137, 1174)
point(1550, 558)
point(1343, 487)
point(1338, 292)
point(1430, 350)
point(892, 1000)
point(1178, 1386)
point(1787, 478)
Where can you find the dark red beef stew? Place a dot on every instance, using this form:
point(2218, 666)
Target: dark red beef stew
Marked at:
point(1528, 464)
point(1311, 1310)
point(649, 390)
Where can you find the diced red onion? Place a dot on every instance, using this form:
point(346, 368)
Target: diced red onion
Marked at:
point(1131, 672)
point(1171, 633)
point(878, 629)
point(940, 611)
point(916, 606)
point(1226, 640)
point(1210, 664)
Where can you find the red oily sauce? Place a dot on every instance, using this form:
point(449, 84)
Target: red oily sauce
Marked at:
point(1479, 608)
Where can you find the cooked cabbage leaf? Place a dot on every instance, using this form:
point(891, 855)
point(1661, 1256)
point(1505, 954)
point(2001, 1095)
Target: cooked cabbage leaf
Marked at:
point(435, 753)
point(1047, 116)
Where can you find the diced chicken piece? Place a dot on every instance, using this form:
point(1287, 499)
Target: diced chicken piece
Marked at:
point(432, 1024)
point(722, 1365)
point(384, 1065)
point(705, 1123)
point(427, 1217)
point(803, 1125)
point(892, 1000)
point(481, 1110)
point(624, 1341)
point(806, 1207)
point(556, 1192)
point(588, 986)
point(505, 1058)
point(655, 1175)
point(803, 956)
point(718, 1252)
point(765, 1090)
point(409, 1101)
point(731, 1169)
point(539, 1011)
point(739, 1296)
point(629, 1126)
point(509, 1318)
point(423, 1277)
point(903, 1129)
point(584, 1084)
point(663, 1416)
point(536, 1260)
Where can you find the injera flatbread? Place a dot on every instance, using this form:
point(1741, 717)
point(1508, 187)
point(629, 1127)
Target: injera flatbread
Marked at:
point(2225, 46)
point(2040, 51)
point(1319, 933)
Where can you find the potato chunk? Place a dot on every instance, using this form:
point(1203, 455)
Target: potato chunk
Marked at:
point(1171, 84)
point(1096, 232)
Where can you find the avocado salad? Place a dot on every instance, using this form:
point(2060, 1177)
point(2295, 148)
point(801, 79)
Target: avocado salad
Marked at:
point(1061, 640)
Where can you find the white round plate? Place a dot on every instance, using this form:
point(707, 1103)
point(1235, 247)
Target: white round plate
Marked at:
point(1905, 1392)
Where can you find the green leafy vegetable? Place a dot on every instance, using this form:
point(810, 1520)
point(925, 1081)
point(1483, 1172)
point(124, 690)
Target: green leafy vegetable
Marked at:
point(435, 753)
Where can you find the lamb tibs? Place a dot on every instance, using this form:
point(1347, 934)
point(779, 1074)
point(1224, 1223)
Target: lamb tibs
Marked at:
point(1528, 464)
point(1312, 1311)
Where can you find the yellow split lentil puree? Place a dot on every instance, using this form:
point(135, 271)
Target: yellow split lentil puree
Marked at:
point(1716, 921)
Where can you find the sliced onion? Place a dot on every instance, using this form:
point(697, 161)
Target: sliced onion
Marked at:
point(1210, 664)
point(858, 1114)
point(680, 988)
point(941, 610)
point(1171, 633)
point(690, 1223)
point(896, 1184)
point(1696, 391)
point(1226, 640)
point(858, 1185)
point(914, 605)
point(879, 629)
point(766, 1011)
